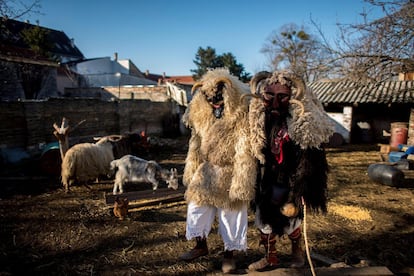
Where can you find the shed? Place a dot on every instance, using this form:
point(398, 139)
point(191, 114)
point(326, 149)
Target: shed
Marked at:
point(366, 110)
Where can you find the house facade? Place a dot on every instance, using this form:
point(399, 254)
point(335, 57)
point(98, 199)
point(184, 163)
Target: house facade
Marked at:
point(101, 72)
point(29, 68)
point(365, 112)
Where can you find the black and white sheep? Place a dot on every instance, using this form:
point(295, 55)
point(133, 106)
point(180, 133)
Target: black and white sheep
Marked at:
point(132, 168)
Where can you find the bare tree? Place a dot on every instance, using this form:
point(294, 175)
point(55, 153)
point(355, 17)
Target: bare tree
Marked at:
point(15, 9)
point(296, 49)
point(376, 50)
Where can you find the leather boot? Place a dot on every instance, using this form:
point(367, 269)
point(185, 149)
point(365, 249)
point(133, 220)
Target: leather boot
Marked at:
point(298, 259)
point(270, 260)
point(229, 264)
point(199, 250)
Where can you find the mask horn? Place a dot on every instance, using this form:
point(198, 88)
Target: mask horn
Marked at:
point(225, 80)
point(300, 87)
point(300, 104)
point(257, 78)
point(195, 86)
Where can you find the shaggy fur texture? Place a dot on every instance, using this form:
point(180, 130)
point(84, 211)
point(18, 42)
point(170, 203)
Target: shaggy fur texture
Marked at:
point(308, 130)
point(220, 167)
point(86, 161)
point(303, 173)
point(314, 127)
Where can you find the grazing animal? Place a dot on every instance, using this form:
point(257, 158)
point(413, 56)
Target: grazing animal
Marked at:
point(121, 207)
point(132, 168)
point(87, 161)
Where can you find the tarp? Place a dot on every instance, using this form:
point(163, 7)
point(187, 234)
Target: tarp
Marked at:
point(179, 93)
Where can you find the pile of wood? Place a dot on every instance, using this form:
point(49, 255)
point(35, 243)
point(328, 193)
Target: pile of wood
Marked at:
point(139, 200)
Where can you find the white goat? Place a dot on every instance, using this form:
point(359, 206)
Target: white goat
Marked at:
point(132, 168)
point(86, 161)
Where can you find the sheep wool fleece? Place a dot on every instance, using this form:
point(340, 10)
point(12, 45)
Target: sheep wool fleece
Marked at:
point(220, 169)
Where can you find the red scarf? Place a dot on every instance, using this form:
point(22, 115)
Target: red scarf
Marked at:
point(277, 144)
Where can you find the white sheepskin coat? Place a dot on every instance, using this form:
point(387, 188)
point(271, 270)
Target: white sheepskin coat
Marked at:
point(220, 169)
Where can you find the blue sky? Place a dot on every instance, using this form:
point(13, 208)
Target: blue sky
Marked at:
point(164, 35)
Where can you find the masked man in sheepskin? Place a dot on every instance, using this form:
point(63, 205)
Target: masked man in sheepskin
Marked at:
point(288, 128)
point(220, 169)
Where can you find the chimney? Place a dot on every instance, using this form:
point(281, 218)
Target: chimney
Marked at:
point(72, 42)
point(116, 56)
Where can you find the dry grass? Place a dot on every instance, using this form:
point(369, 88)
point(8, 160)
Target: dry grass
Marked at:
point(350, 212)
point(47, 232)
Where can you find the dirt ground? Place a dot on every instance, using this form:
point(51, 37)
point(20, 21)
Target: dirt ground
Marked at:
point(45, 231)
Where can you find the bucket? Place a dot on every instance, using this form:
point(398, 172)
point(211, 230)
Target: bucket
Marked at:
point(399, 133)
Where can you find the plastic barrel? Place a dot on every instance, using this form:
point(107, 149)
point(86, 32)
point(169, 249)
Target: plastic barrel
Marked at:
point(399, 132)
point(50, 160)
point(385, 174)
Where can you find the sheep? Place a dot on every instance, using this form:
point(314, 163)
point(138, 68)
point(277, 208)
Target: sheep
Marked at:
point(87, 161)
point(132, 168)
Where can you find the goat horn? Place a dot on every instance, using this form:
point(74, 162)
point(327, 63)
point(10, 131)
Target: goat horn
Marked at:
point(257, 78)
point(195, 86)
point(300, 104)
point(114, 138)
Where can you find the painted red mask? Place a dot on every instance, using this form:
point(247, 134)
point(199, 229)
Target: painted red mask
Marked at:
point(276, 98)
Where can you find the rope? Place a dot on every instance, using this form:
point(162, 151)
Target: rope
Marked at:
point(305, 236)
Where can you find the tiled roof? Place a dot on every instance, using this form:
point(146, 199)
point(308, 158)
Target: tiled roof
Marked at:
point(12, 40)
point(181, 79)
point(352, 92)
point(21, 55)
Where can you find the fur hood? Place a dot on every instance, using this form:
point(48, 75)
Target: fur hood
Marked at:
point(220, 167)
point(308, 125)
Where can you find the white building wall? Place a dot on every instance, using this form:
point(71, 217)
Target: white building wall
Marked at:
point(343, 122)
point(100, 66)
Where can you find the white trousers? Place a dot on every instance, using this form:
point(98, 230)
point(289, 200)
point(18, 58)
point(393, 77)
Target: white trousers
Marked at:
point(232, 224)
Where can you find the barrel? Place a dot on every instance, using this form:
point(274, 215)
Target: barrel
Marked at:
point(399, 131)
point(50, 160)
point(386, 174)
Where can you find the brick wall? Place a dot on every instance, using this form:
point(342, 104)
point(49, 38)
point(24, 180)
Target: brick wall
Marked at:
point(26, 124)
point(157, 93)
